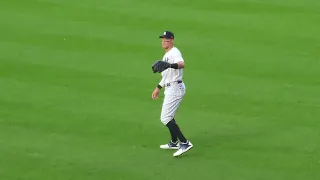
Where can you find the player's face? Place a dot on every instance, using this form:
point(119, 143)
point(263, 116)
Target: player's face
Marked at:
point(166, 43)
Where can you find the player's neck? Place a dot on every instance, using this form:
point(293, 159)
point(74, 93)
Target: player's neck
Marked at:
point(169, 48)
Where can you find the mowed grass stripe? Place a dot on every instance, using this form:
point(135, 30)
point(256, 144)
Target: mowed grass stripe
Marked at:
point(255, 7)
point(71, 42)
point(99, 63)
point(84, 127)
point(108, 14)
point(89, 82)
point(93, 13)
point(191, 16)
point(74, 154)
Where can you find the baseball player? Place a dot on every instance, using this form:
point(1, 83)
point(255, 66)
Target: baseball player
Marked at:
point(171, 69)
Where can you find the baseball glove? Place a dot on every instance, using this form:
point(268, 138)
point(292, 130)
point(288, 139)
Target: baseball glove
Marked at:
point(160, 66)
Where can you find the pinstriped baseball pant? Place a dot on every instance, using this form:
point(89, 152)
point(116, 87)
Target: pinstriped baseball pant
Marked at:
point(173, 96)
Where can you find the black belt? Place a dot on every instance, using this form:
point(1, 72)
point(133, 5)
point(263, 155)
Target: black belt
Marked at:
point(169, 84)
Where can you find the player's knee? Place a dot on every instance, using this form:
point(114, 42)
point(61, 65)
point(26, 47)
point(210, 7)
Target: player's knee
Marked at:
point(165, 119)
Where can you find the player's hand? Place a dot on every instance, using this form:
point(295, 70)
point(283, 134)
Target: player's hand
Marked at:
point(155, 93)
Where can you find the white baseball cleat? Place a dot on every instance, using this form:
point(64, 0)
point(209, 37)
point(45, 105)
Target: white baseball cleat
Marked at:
point(170, 145)
point(184, 147)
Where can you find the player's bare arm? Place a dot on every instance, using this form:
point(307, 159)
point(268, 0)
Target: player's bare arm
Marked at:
point(155, 93)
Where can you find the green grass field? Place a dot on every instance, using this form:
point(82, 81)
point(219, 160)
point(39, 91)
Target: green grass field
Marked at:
point(76, 84)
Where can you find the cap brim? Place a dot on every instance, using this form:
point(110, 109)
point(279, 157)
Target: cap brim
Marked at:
point(167, 37)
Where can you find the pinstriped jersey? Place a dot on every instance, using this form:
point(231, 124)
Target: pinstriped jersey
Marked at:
point(171, 75)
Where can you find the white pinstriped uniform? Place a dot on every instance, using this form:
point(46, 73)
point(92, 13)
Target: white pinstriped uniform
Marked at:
point(174, 91)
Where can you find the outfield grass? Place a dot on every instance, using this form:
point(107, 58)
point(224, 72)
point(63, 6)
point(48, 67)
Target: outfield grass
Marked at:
point(76, 84)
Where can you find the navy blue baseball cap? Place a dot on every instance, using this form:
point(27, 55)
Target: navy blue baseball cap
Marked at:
point(167, 35)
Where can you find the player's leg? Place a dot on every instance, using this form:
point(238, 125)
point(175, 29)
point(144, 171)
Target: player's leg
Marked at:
point(174, 143)
point(173, 126)
point(169, 108)
point(185, 145)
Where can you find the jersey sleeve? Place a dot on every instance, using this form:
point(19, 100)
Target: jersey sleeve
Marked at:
point(161, 83)
point(177, 57)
